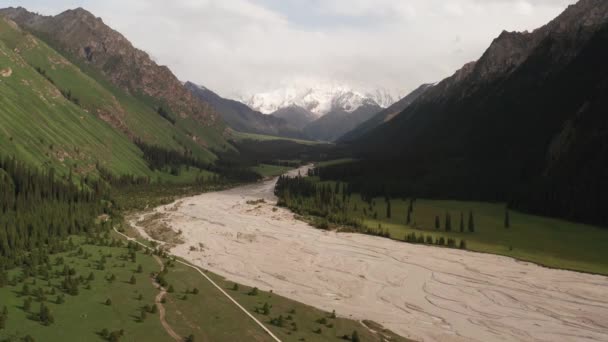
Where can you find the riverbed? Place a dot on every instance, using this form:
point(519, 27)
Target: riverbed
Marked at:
point(421, 292)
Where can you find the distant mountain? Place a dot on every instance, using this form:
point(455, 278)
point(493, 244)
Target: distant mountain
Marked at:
point(526, 123)
point(336, 123)
point(297, 117)
point(102, 52)
point(385, 115)
point(242, 118)
point(319, 100)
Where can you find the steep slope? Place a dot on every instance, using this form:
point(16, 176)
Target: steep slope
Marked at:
point(385, 115)
point(242, 118)
point(295, 116)
point(99, 50)
point(525, 123)
point(336, 123)
point(42, 127)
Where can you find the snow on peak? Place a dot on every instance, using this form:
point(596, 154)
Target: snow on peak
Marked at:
point(319, 100)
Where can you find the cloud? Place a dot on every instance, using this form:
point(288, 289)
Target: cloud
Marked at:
point(247, 46)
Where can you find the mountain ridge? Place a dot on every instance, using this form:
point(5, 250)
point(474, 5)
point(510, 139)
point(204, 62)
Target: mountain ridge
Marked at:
point(320, 99)
point(89, 40)
point(242, 118)
point(499, 127)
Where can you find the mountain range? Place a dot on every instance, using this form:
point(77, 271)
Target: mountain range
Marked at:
point(324, 113)
point(319, 100)
point(244, 119)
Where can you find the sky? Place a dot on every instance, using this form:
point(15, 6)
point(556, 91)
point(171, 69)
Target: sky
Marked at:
point(242, 47)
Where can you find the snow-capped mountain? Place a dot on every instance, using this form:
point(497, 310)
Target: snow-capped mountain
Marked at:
point(319, 100)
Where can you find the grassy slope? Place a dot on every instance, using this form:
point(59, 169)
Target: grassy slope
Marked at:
point(267, 170)
point(240, 136)
point(43, 128)
point(147, 124)
point(35, 123)
point(546, 241)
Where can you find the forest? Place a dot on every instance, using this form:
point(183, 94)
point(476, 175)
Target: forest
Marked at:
point(40, 210)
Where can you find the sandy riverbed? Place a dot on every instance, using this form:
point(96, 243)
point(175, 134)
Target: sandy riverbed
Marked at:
point(425, 293)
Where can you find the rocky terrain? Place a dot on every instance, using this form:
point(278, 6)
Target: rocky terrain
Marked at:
point(94, 43)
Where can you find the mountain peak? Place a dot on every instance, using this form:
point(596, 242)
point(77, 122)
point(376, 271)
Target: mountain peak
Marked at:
point(319, 99)
point(87, 37)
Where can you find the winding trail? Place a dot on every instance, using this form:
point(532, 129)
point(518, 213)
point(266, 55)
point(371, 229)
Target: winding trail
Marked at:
point(161, 307)
point(198, 269)
point(420, 292)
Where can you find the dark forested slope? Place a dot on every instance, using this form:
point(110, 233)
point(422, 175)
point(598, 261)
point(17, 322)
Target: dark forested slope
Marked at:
point(526, 123)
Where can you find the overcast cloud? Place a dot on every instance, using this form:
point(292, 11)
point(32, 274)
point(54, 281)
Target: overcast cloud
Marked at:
point(247, 46)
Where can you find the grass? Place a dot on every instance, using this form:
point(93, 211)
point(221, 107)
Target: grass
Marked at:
point(546, 241)
point(240, 136)
point(81, 317)
point(334, 162)
point(42, 127)
point(268, 170)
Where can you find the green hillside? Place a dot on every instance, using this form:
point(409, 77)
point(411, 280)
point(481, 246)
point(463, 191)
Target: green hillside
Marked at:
point(60, 114)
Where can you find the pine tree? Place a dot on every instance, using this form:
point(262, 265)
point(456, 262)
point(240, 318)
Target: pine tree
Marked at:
point(448, 222)
point(355, 337)
point(471, 222)
point(507, 219)
point(133, 280)
point(27, 304)
point(461, 222)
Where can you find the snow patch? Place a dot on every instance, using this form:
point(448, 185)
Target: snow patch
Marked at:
point(319, 100)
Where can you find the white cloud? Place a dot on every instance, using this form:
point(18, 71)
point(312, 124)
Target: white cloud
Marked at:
point(245, 46)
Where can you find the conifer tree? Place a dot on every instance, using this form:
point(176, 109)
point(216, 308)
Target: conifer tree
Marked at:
point(448, 222)
point(471, 222)
point(461, 222)
point(507, 219)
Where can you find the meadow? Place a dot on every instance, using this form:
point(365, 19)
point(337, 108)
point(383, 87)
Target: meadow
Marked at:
point(546, 241)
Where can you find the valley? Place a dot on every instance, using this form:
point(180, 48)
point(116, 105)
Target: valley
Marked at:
point(421, 292)
point(378, 171)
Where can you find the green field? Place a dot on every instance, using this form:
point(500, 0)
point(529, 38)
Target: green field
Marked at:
point(81, 317)
point(268, 170)
point(545, 241)
point(240, 136)
point(207, 315)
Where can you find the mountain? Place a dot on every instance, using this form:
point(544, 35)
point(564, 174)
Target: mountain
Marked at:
point(136, 88)
point(336, 123)
point(242, 118)
point(297, 117)
point(324, 112)
point(42, 127)
point(319, 100)
point(525, 124)
point(385, 115)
